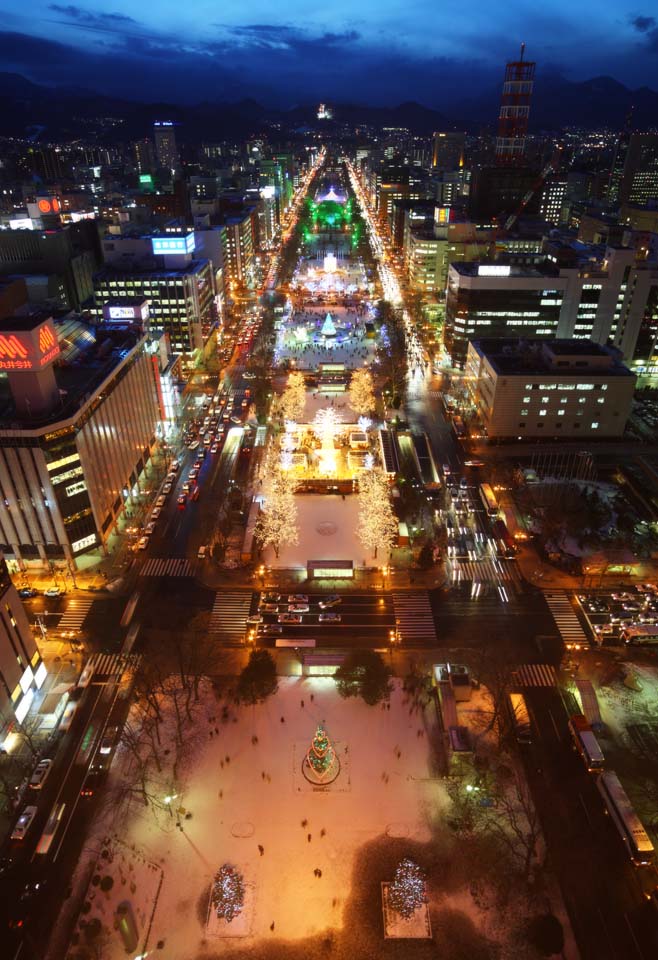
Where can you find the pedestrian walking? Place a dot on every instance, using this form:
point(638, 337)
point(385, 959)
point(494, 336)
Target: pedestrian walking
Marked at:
point(308, 837)
point(261, 849)
point(272, 925)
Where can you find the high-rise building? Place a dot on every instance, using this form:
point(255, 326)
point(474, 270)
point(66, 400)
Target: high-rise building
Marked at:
point(144, 156)
point(551, 200)
point(549, 389)
point(22, 671)
point(639, 178)
point(164, 133)
point(79, 412)
point(448, 151)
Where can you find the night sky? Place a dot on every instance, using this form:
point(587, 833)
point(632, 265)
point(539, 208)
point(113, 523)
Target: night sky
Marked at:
point(376, 51)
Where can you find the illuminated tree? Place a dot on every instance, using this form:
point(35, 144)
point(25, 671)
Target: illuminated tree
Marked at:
point(408, 890)
point(293, 397)
point(227, 893)
point(277, 522)
point(378, 525)
point(362, 394)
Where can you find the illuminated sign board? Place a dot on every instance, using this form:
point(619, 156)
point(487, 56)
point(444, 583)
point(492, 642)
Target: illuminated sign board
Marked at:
point(22, 223)
point(267, 192)
point(79, 545)
point(442, 214)
point(146, 180)
point(29, 349)
point(173, 244)
point(489, 270)
point(117, 312)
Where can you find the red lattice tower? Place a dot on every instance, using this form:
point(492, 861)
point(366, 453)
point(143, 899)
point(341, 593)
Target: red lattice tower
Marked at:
point(514, 111)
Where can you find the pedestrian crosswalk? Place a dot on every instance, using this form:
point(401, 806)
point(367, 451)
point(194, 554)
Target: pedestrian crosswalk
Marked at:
point(414, 618)
point(484, 570)
point(108, 667)
point(228, 617)
point(565, 617)
point(160, 567)
point(75, 614)
point(535, 675)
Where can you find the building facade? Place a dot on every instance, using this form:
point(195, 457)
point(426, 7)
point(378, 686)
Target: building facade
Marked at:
point(552, 390)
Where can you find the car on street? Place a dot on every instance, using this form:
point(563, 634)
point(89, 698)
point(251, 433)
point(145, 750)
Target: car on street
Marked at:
point(289, 618)
point(193, 474)
point(269, 607)
point(269, 629)
point(24, 823)
point(187, 486)
point(160, 502)
point(193, 445)
point(255, 618)
point(174, 465)
point(142, 543)
point(109, 737)
point(214, 448)
point(476, 464)
point(297, 598)
point(53, 592)
point(149, 528)
point(330, 618)
point(155, 513)
point(26, 593)
point(249, 376)
point(182, 500)
point(331, 601)
point(167, 487)
point(622, 596)
point(40, 774)
point(298, 608)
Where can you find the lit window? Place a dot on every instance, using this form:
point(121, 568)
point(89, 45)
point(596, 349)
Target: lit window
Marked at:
point(595, 425)
point(561, 413)
point(542, 413)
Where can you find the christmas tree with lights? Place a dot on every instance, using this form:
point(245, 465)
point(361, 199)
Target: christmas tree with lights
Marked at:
point(227, 893)
point(321, 763)
point(328, 327)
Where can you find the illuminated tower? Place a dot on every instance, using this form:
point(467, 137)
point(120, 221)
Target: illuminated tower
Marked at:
point(514, 111)
point(166, 148)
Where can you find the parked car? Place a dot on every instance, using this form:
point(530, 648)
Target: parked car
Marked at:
point(149, 528)
point(142, 543)
point(24, 823)
point(289, 618)
point(167, 487)
point(160, 502)
point(297, 598)
point(298, 608)
point(26, 593)
point(330, 618)
point(40, 774)
point(269, 629)
point(155, 513)
point(331, 601)
point(53, 592)
point(255, 618)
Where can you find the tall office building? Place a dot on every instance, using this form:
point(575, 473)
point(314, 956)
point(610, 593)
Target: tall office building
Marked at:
point(639, 176)
point(448, 151)
point(551, 200)
point(514, 111)
point(166, 150)
point(22, 671)
point(79, 415)
point(144, 156)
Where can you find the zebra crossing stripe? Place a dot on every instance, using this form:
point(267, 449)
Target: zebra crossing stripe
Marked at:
point(414, 617)
point(229, 614)
point(535, 675)
point(75, 613)
point(113, 665)
point(565, 618)
point(161, 567)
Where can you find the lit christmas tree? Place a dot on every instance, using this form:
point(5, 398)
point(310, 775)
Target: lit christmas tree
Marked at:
point(227, 894)
point(408, 890)
point(321, 759)
point(328, 327)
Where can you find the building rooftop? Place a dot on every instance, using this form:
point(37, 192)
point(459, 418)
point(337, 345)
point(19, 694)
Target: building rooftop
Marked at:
point(509, 356)
point(120, 269)
point(89, 354)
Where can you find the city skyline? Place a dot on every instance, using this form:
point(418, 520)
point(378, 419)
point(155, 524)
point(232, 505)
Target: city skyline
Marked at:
point(291, 56)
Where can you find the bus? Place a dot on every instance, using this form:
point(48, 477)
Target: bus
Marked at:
point(520, 718)
point(640, 633)
point(625, 819)
point(488, 499)
point(459, 428)
point(586, 743)
point(504, 542)
point(49, 831)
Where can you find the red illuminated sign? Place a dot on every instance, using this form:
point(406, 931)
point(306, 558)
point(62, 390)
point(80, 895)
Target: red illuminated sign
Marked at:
point(11, 348)
point(46, 339)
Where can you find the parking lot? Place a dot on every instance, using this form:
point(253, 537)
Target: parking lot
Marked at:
point(628, 614)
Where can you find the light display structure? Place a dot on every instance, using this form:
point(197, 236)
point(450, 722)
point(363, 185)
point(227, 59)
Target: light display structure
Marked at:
point(321, 765)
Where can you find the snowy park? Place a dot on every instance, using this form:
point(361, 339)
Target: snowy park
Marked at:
point(314, 858)
point(302, 342)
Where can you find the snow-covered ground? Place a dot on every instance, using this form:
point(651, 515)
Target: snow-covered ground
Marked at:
point(350, 345)
point(327, 531)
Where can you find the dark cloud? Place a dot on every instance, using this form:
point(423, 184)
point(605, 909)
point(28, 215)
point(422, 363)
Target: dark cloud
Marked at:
point(285, 37)
point(643, 24)
point(87, 17)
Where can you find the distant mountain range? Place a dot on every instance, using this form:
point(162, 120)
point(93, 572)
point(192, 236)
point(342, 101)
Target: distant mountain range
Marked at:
point(52, 113)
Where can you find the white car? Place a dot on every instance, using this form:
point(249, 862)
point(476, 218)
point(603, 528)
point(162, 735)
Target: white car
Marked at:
point(167, 487)
point(149, 528)
point(297, 598)
point(298, 608)
point(24, 823)
point(40, 774)
point(330, 618)
point(142, 543)
point(155, 513)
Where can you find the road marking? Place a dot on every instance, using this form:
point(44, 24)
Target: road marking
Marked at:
point(535, 675)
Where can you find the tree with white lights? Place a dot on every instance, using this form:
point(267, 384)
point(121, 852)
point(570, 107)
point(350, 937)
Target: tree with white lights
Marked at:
point(378, 525)
point(362, 394)
point(293, 397)
point(227, 893)
point(408, 891)
point(277, 522)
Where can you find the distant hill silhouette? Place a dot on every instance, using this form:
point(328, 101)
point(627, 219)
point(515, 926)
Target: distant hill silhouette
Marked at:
point(61, 112)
